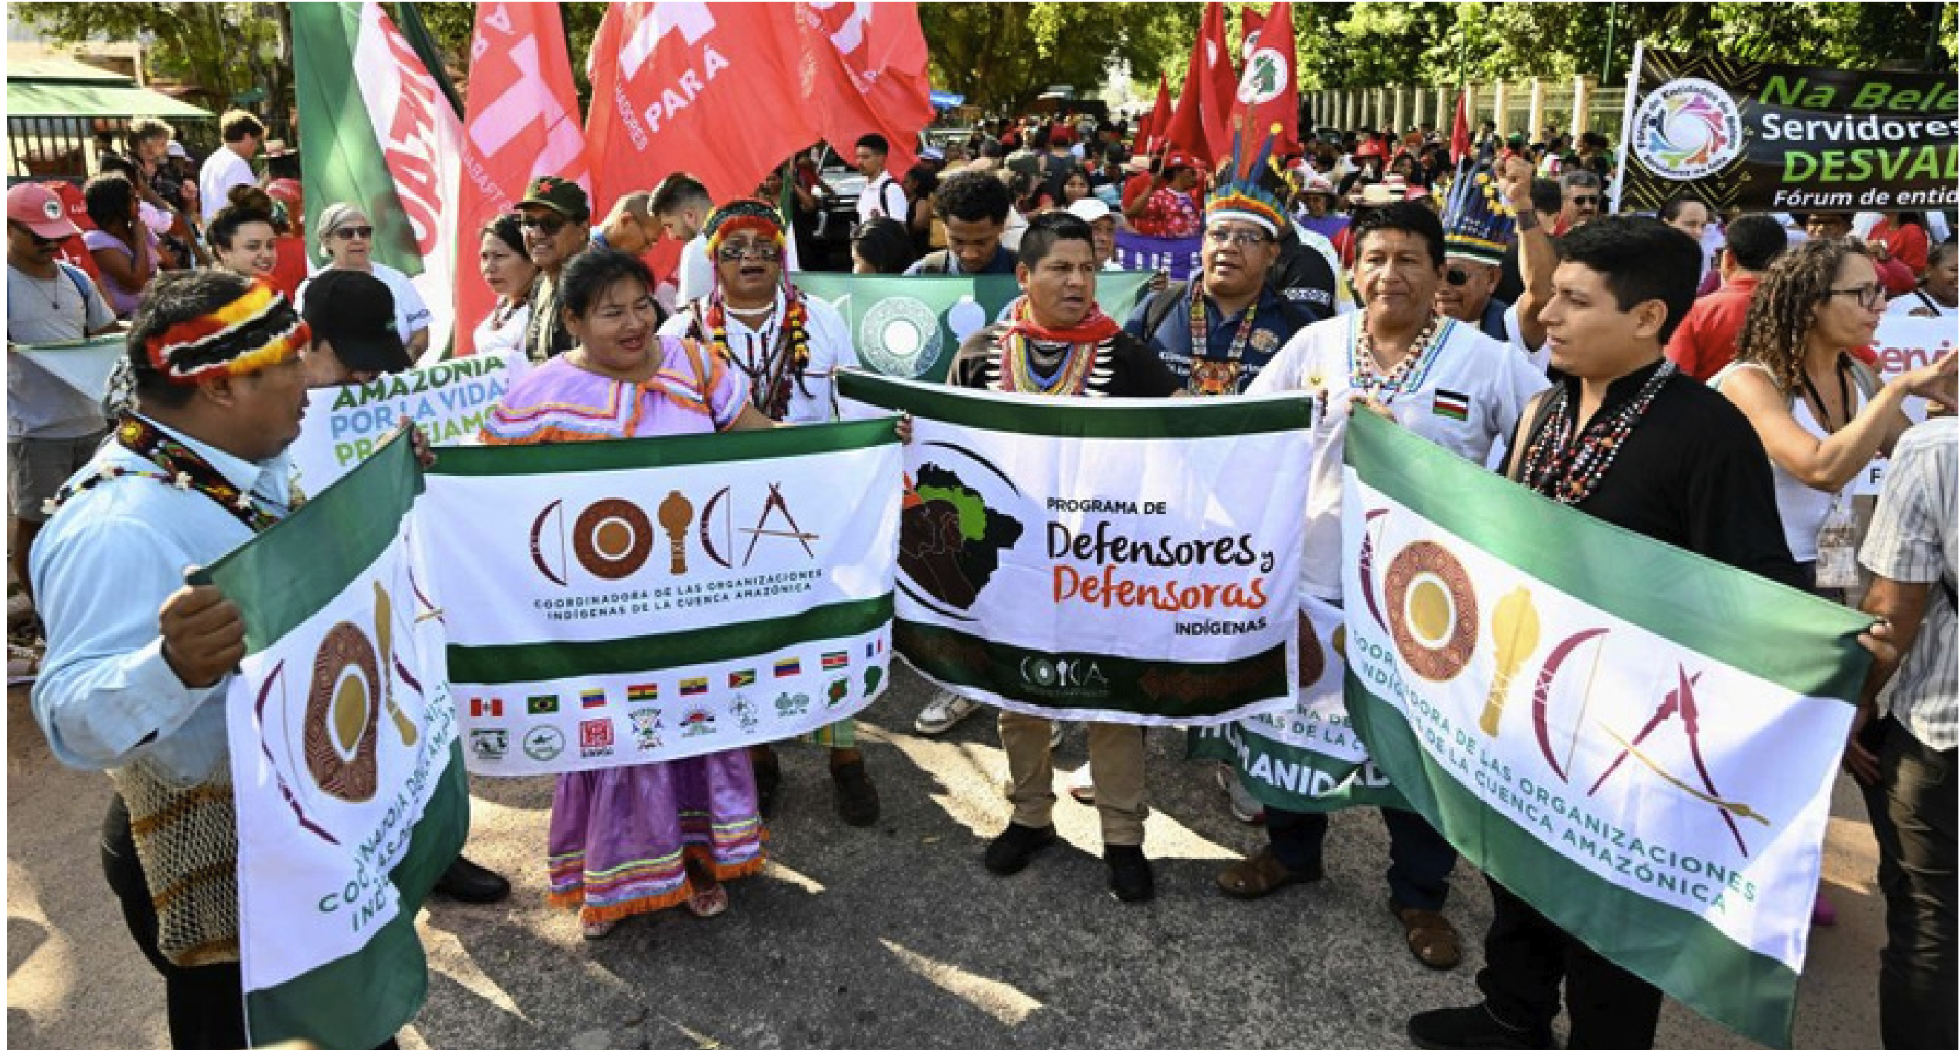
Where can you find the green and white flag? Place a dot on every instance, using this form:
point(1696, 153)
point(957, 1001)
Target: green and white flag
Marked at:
point(344, 756)
point(446, 401)
point(912, 327)
point(1306, 758)
point(85, 365)
point(1637, 740)
point(1100, 560)
point(623, 602)
point(381, 135)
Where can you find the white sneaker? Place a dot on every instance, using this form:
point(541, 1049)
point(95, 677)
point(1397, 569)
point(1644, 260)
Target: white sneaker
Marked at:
point(1082, 785)
point(944, 712)
point(1245, 808)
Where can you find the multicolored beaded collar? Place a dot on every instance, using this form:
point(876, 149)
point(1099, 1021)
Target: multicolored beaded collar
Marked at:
point(178, 466)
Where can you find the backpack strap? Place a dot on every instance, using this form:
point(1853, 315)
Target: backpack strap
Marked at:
point(83, 286)
point(1160, 306)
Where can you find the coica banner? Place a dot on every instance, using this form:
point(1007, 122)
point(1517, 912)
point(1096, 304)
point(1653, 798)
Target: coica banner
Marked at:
point(349, 783)
point(623, 602)
point(1763, 137)
point(1176, 256)
point(1100, 560)
point(1307, 758)
point(1638, 741)
point(912, 327)
point(446, 401)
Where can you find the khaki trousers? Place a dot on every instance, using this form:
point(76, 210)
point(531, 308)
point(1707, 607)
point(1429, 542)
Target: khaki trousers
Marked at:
point(1115, 759)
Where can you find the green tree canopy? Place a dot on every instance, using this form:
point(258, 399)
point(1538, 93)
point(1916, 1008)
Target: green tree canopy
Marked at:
point(1002, 55)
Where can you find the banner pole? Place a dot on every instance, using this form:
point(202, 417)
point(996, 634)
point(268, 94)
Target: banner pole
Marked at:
point(1626, 121)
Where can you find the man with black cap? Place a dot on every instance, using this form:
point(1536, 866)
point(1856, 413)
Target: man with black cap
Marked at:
point(557, 226)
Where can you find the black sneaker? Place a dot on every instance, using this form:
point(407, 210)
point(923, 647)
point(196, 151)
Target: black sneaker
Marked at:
point(471, 883)
point(1016, 846)
point(857, 799)
point(1130, 879)
point(1473, 1028)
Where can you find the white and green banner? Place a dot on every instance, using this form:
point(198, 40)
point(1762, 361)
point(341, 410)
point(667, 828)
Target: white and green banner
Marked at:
point(85, 365)
point(381, 135)
point(1091, 560)
point(912, 327)
point(1902, 344)
point(1637, 740)
point(1307, 758)
point(446, 401)
point(623, 602)
point(349, 781)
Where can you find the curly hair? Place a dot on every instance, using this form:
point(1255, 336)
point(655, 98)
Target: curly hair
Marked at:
point(1777, 328)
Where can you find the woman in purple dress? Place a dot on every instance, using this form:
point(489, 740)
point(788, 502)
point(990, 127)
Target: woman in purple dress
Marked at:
point(641, 838)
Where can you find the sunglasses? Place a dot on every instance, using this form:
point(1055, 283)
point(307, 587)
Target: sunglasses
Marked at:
point(348, 233)
point(550, 224)
point(1868, 295)
point(738, 252)
point(1591, 200)
point(1457, 278)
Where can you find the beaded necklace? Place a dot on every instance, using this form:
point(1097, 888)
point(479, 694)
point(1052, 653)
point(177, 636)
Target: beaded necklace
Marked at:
point(1567, 466)
point(1070, 378)
point(1211, 378)
point(1408, 374)
point(769, 374)
point(179, 467)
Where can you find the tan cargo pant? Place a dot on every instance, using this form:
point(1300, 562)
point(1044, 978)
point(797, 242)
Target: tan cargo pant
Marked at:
point(1115, 757)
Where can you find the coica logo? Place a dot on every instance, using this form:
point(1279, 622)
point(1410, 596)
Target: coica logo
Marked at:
point(1048, 673)
point(1686, 129)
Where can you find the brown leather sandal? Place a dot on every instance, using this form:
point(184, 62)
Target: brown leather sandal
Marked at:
point(1261, 874)
point(1432, 938)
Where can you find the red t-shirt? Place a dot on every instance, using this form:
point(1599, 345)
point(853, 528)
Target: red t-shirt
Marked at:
point(1704, 342)
point(288, 266)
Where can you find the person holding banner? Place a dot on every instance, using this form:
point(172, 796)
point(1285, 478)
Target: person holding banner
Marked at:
point(788, 346)
point(637, 839)
point(1625, 437)
point(138, 662)
point(1446, 382)
point(1058, 343)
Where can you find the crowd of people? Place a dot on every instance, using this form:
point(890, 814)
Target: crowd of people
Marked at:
point(1703, 379)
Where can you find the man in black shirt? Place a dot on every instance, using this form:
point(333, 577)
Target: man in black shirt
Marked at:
point(1689, 471)
point(1058, 342)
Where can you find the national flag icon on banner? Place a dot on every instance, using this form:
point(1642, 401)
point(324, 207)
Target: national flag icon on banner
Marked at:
point(643, 692)
point(789, 667)
point(1452, 405)
point(694, 686)
point(834, 661)
point(592, 698)
point(542, 705)
point(738, 679)
point(486, 707)
point(874, 647)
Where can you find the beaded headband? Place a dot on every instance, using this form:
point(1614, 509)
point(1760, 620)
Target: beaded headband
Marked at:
point(743, 215)
point(1242, 196)
point(254, 331)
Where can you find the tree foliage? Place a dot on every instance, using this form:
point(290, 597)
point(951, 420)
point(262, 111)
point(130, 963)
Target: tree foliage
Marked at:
point(237, 51)
point(1002, 55)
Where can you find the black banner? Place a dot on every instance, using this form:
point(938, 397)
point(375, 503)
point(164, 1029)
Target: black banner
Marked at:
point(1767, 137)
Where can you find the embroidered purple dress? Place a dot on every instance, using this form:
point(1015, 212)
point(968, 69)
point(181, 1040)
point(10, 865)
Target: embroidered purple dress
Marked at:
point(619, 837)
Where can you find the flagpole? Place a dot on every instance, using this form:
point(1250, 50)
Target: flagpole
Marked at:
point(1612, 23)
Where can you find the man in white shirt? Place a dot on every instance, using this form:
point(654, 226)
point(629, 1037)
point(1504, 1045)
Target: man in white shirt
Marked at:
point(882, 194)
point(230, 164)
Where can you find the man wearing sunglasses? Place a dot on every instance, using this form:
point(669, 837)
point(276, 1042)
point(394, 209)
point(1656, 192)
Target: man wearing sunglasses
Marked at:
point(1477, 228)
point(52, 429)
point(556, 220)
point(1582, 194)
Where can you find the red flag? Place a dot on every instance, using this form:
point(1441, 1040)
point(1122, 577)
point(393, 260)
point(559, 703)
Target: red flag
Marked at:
point(521, 122)
point(1460, 144)
point(710, 88)
point(864, 70)
point(1151, 131)
point(1250, 24)
point(1219, 83)
point(1268, 95)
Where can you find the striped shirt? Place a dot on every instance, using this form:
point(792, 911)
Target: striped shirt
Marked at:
point(1913, 539)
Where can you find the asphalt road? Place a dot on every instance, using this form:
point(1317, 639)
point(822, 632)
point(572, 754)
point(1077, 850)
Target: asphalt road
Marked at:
point(892, 936)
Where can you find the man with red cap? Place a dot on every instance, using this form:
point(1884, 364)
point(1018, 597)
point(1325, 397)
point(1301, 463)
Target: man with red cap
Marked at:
point(52, 428)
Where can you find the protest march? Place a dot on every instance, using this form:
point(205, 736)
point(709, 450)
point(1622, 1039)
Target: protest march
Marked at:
point(1581, 504)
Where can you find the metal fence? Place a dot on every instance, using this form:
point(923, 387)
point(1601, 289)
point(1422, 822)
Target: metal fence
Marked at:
point(1527, 107)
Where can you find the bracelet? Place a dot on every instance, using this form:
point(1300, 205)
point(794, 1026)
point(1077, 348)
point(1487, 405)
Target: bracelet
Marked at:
point(1527, 220)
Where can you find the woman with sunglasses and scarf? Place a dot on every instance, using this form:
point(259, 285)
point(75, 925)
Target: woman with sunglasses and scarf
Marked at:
point(347, 243)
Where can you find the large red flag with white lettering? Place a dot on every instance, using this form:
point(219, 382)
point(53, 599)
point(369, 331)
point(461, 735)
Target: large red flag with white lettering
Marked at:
point(712, 89)
point(522, 122)
point(864, 70)
point(1268, 95)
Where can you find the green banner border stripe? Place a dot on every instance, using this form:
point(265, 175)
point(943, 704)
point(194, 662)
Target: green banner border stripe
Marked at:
point(959, 658)
point(556, 661)
point(1675, 951)
point(481, 461)
point(291, 571)
point(1215, 742)
point(1798, 641)
point(1154, 419)
point(389, 977)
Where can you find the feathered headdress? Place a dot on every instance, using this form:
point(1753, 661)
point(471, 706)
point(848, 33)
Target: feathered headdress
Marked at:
point(1477, 224)
point(1244, 194)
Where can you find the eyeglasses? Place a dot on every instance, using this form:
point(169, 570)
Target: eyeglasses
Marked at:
point(550, 224)
point(348, 233)
point(1457, 278)
point(738, 252)
point(1868, 295)
point(1235, 238)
